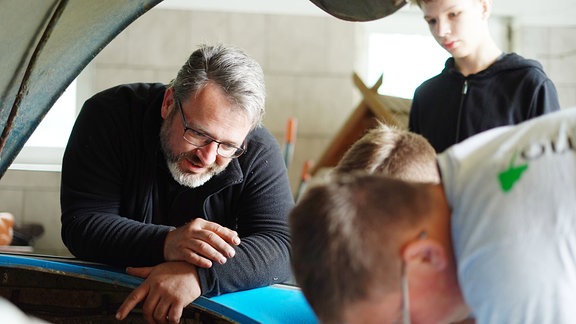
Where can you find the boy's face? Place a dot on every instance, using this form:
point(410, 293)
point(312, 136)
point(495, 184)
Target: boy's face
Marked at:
point(458, 26)
point(424, 307)
point(432, 297)
point(375, 310)
point(436, 300)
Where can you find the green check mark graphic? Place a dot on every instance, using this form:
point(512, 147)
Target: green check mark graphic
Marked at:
point(511, 175)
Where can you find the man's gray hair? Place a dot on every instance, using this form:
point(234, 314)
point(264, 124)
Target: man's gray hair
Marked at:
point(236, 73)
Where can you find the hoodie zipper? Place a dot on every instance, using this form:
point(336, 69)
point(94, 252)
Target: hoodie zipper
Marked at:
point(459, 120)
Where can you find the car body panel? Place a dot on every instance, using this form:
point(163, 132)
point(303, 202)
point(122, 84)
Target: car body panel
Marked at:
point(61, 289)
point(45, 45)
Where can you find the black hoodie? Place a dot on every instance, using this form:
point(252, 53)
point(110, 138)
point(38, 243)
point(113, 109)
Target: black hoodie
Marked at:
point(119, 201)
point(450, 107)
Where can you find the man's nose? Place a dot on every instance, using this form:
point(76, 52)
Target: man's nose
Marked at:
point(208, 153)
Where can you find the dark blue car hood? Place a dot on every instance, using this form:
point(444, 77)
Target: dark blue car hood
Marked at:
point(44, 44)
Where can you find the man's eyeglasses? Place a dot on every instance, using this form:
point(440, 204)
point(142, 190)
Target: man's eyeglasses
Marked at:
point(200, 139)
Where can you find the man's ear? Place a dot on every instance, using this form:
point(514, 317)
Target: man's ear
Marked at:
point(486, 8)
point(425, 253)
point(167, 102)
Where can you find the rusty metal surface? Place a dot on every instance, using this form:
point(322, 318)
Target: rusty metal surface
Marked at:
point(59, 298)
point(69, 290)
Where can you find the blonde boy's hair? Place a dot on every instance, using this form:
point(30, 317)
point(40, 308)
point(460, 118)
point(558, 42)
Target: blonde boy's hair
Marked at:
point(392, 152)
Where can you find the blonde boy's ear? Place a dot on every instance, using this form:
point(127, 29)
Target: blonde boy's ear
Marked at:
point(426, 253)
point(486, 8)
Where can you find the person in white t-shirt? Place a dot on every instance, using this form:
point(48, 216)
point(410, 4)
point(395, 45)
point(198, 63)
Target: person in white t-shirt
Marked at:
point(494, 241)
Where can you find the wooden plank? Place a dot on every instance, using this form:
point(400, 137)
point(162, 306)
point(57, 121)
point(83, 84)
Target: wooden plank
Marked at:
point(371, 99)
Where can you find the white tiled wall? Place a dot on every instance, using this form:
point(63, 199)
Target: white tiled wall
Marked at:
point(308, 64)
point(555, 48)
point(34, 197)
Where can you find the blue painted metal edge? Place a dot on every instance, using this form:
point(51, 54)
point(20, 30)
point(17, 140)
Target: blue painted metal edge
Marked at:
point(272, 304)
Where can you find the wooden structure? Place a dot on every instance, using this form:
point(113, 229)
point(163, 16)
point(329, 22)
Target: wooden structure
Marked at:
point(387, 109)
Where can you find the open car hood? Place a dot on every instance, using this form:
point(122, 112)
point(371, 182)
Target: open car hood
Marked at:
point(44, 46)
point(359, 10)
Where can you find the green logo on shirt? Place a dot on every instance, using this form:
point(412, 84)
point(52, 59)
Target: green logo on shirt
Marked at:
point(511, 175)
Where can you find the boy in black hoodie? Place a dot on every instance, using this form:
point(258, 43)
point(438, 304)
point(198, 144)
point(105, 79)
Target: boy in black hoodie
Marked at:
point(481, 87)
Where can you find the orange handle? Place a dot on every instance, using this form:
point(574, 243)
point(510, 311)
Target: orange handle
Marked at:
point(305, 175)
point(291, 130)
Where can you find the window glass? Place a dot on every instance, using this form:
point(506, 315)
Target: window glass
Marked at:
point(44, 149)
point(404, 60)
point(56, 126)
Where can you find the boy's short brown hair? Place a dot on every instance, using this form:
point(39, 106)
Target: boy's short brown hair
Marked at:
point(393, 152)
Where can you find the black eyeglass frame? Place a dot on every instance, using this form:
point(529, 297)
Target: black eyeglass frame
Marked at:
point(238, 151)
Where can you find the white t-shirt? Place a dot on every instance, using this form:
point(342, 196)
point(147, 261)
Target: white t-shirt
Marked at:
point(513, 194)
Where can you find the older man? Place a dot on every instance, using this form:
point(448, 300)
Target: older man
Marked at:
point(182, 179)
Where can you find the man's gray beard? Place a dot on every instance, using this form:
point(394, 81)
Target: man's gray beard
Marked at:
point(184, 178)
point(189, 179)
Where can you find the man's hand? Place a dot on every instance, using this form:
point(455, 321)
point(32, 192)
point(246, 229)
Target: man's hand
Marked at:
point(168, 288)
point(200, 242)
